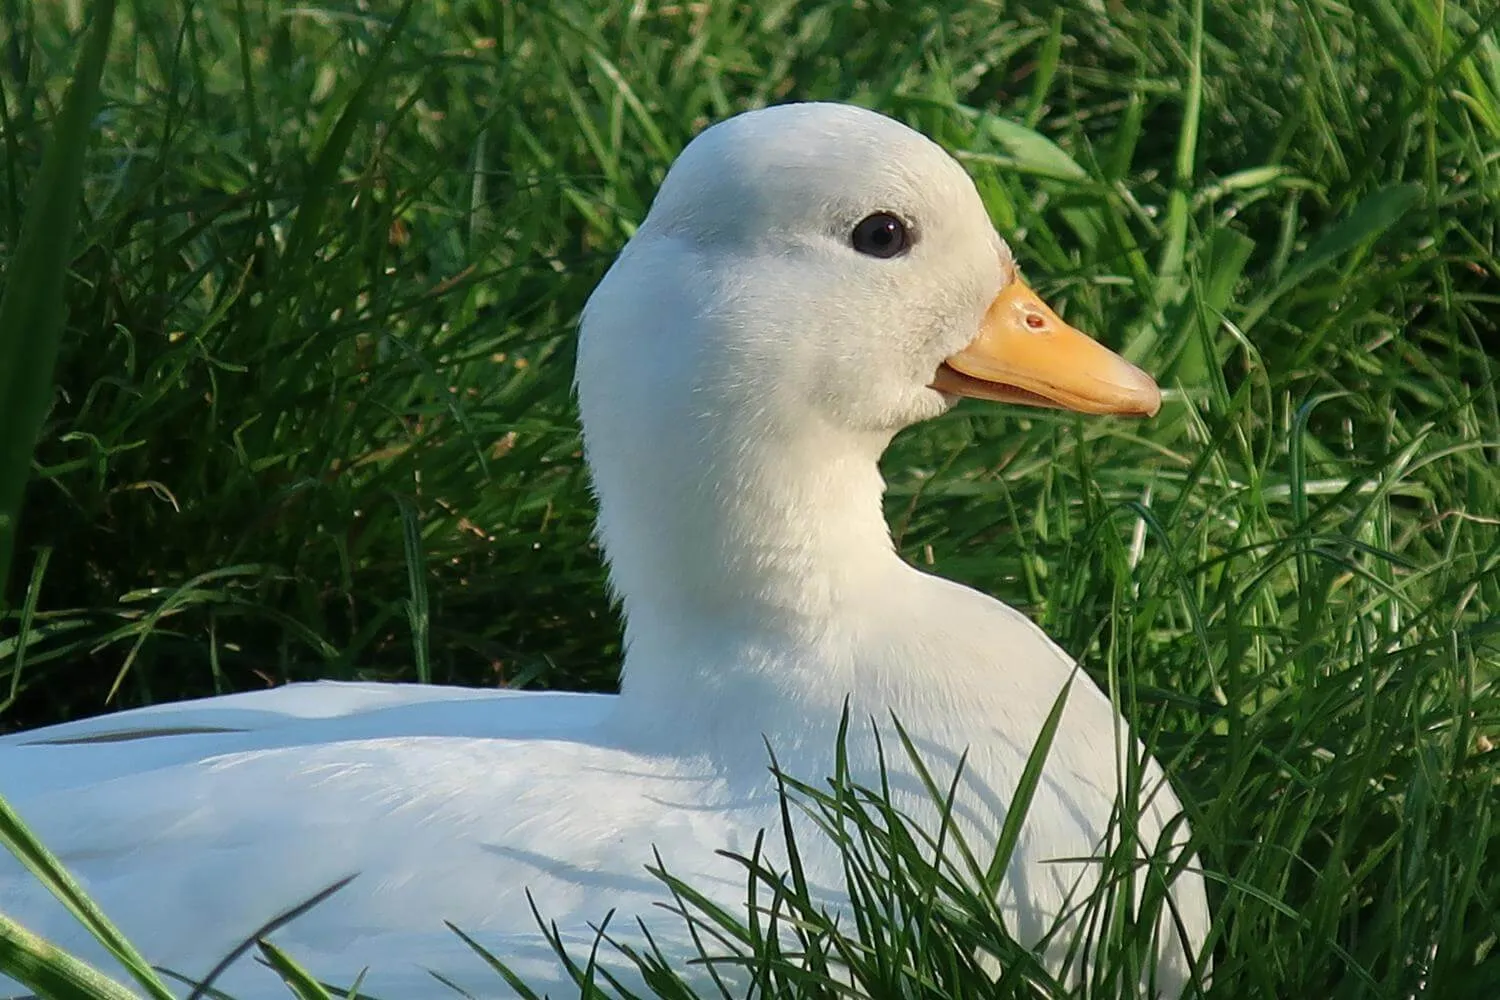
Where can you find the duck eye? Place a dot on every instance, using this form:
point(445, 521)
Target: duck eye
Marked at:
point(880, 235)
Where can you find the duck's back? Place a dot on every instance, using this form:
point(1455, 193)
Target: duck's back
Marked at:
point(92, 750)
point(194, 824)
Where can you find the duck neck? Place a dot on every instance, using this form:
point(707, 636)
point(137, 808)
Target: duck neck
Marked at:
point(736, 547)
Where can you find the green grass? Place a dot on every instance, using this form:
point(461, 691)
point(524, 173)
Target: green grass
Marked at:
point(31, 302)
point(313, 418)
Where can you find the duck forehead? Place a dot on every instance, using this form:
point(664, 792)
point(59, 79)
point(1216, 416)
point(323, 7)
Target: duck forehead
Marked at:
point(796, 167)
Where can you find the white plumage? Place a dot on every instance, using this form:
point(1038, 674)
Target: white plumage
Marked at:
point(741, 368)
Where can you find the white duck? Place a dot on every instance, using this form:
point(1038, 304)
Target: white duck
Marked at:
point(810, 280)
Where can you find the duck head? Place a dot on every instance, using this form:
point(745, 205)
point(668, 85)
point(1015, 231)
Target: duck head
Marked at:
point(810, 279)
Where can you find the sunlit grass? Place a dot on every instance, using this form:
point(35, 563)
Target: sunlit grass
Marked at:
point(313, 418)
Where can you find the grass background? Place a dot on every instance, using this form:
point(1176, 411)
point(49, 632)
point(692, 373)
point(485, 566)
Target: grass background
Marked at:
point(312, 413)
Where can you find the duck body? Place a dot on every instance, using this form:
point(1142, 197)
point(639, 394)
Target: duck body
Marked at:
point(741, 369)
point(453, 805)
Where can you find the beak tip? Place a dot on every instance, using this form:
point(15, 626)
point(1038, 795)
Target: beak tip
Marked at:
point(1143, 393)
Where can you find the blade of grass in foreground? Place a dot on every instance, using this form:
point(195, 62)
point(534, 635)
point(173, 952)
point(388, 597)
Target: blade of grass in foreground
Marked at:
point(21, 955)
point(31, 306)
point(51, 972)
point(298, 979)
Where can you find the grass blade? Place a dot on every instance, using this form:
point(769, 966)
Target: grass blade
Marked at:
point(1020, 803)
point(298, 979)
point(1371, 217)
point(49, 871)
point(265, 930)
point(51, 972)
point(32, 309)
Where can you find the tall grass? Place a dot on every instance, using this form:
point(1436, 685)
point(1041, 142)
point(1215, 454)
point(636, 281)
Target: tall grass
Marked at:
point(31, 303)
point(312, 416)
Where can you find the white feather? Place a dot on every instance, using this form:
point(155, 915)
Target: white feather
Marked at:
point(740, 371)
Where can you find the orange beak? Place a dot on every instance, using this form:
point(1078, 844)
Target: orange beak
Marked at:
point(1026, 354)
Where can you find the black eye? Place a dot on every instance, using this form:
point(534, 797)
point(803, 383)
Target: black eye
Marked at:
point(880, 235)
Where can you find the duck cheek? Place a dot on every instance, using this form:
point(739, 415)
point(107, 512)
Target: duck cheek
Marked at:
point(907, 404)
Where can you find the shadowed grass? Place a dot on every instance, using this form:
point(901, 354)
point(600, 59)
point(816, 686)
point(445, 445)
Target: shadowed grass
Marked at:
point(31, 300)
point(313, 416)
